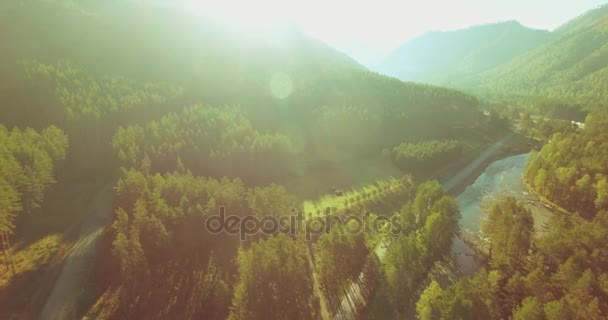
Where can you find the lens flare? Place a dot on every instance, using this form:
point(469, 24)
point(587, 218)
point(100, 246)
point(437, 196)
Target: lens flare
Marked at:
point(281, 85)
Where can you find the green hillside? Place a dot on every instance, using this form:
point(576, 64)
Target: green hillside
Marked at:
point(573, 67)
point(100, 67)
point(143, 119)
point(585, 21)
point(444, 57)
point(160, 160)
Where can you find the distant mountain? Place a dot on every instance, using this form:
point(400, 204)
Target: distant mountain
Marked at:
point(442, 57)
point(573, 66)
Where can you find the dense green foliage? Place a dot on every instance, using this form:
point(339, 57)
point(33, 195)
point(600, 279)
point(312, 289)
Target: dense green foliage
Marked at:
point(27, 160)
point(445, 57)
point(163, 208)
point(84, 95)
point(89, 107)
point(561, 275)
point(425, 155)
point(274, 282)
point(438, 304)
point(340, 258)
point(510, 227)
point(570, 170)
point(558, 109)
point(428, 225)
point(161, 218)
point(210, 141)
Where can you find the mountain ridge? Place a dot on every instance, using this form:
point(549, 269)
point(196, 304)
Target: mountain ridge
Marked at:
point(573, 66)
point(439, 56)
point(585, 20)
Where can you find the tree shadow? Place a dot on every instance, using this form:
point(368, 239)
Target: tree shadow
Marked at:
point(23, 296)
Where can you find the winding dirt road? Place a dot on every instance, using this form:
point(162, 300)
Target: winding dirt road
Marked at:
point(74, 282)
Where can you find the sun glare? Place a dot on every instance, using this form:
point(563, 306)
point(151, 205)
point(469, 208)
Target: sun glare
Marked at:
point(254, 16)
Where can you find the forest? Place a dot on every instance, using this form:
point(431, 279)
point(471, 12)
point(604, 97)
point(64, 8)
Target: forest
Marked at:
point(570, 170)
point(424, 155)
point(174, 154)
point(125, 126)
point(561, 275)
point(27, 159)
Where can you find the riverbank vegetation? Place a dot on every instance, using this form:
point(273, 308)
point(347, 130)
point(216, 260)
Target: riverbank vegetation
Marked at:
point(427, 225)
point(570, 169)
point(557, 276)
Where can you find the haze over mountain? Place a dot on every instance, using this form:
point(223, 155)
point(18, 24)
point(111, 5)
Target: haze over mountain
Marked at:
point(364, 54)
point(440, 57)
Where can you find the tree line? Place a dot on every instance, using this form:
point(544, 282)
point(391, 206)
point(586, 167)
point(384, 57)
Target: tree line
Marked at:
point(209, 141)
point(424, 155)
point(83, 94)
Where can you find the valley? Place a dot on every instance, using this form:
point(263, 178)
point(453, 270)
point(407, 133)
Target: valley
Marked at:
point(169, 160)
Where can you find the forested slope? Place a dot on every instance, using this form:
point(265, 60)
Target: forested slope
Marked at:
point(574, 66)
point(584, 21)
point(199, 116)
point(102, 70)
point(570, 170)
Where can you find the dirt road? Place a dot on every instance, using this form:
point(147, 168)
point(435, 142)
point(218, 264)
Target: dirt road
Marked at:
point(74, 280)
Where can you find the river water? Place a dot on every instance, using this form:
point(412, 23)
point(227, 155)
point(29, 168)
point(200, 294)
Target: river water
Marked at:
point(501, 178)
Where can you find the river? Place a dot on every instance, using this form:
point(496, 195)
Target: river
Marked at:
point(501, 178)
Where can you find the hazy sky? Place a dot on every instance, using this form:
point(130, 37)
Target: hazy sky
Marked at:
point(385, 24)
